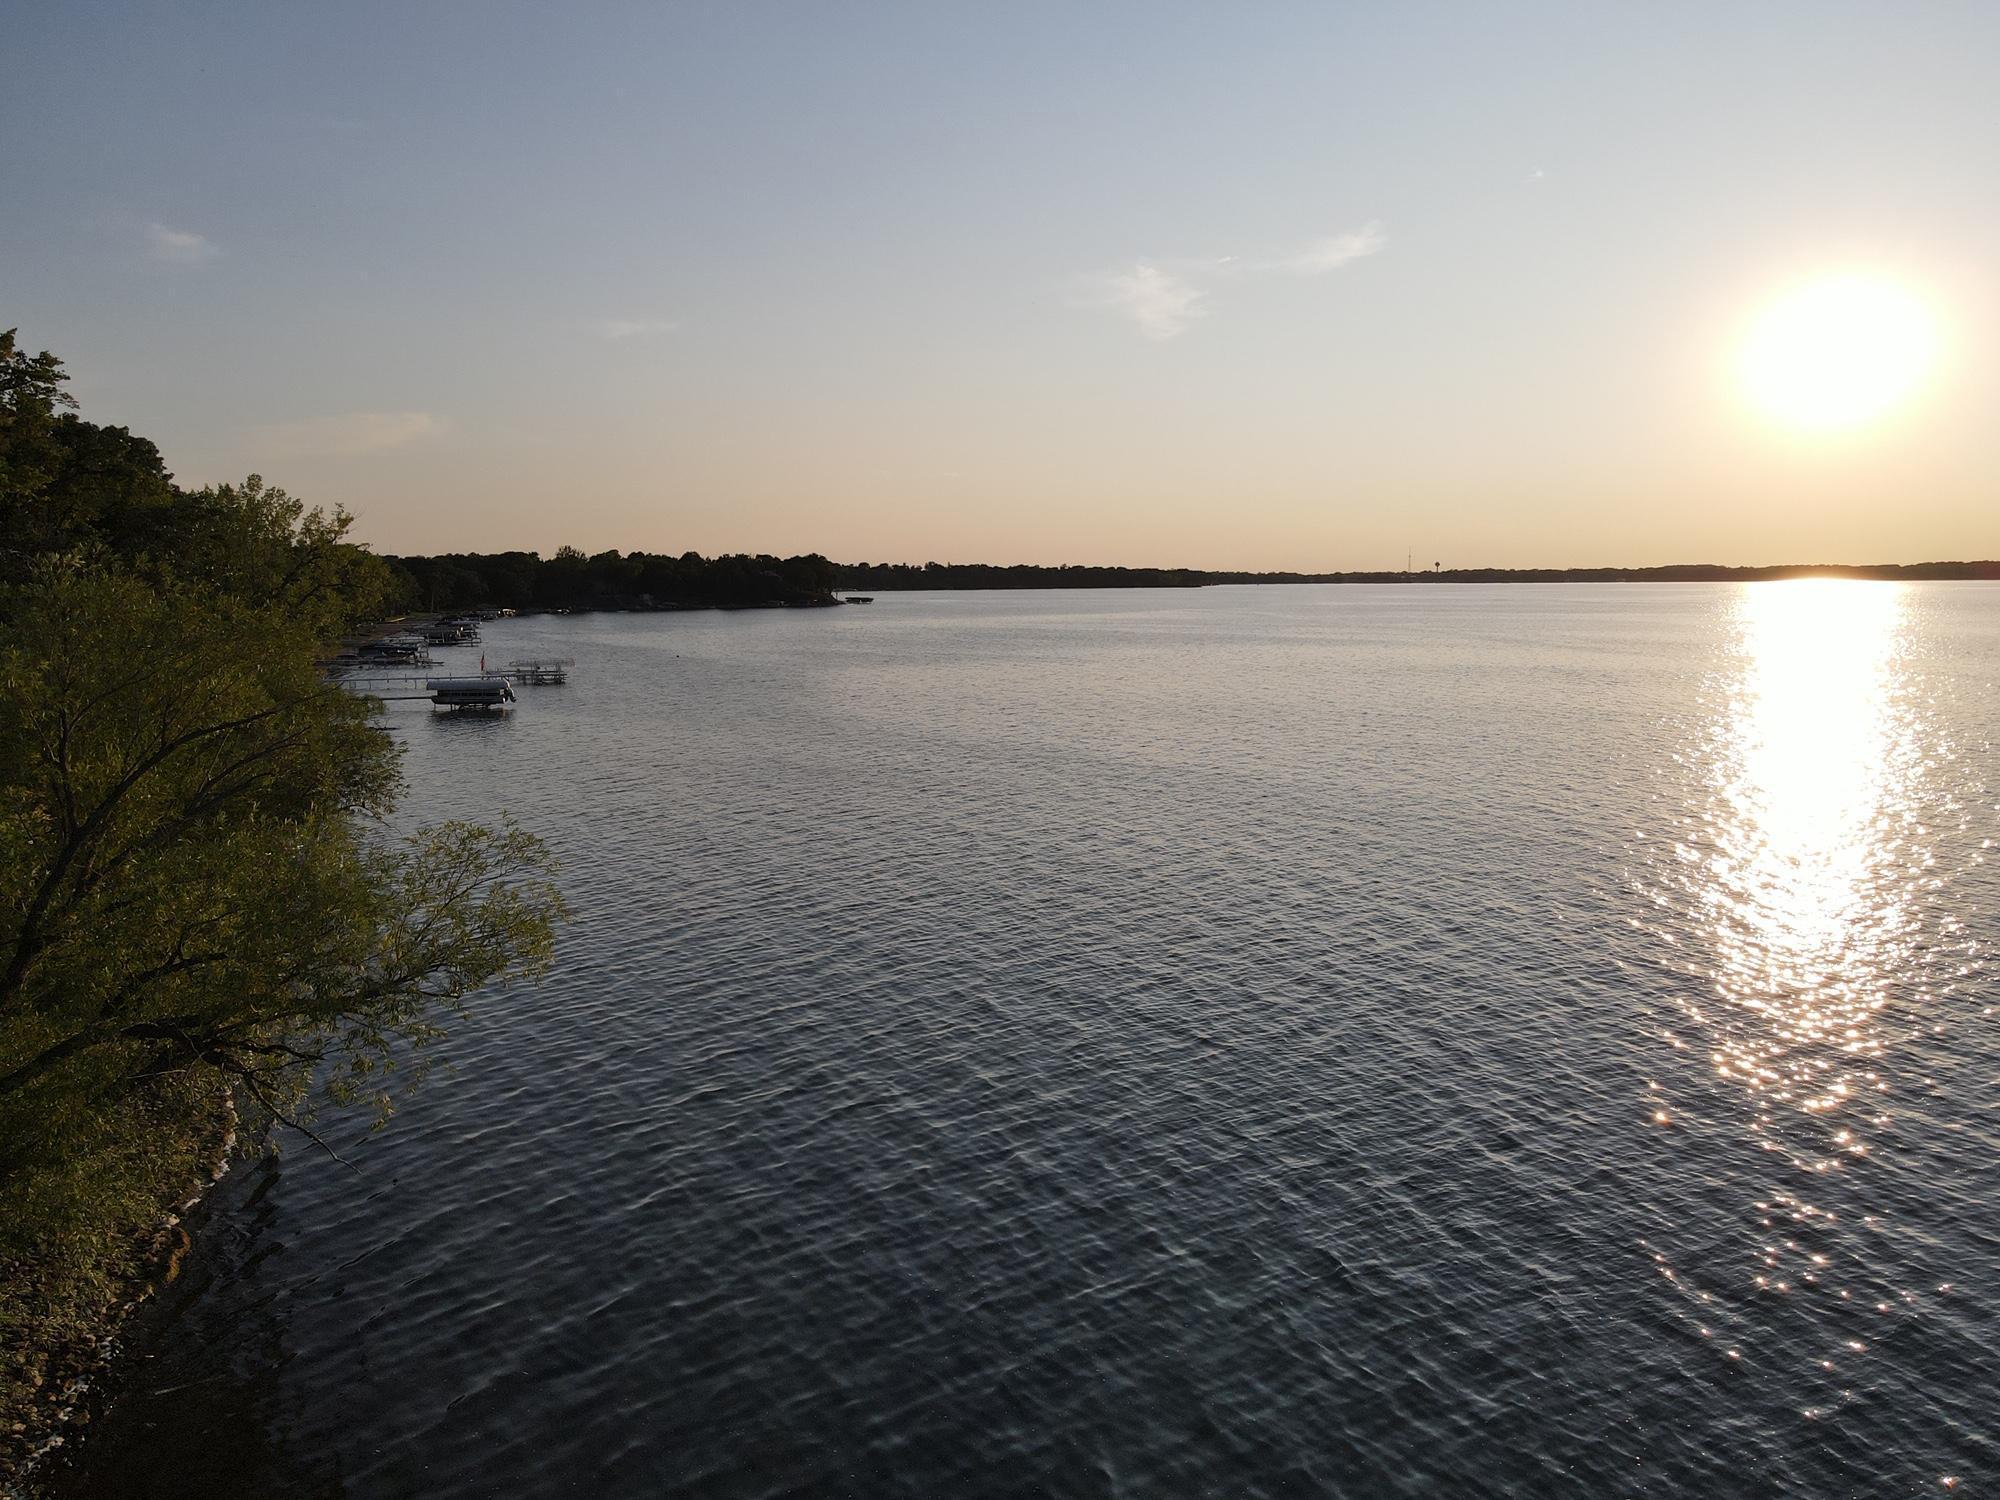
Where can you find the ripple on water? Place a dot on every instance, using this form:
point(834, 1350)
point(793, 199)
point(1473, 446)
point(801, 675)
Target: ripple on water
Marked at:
point(1244, 1042)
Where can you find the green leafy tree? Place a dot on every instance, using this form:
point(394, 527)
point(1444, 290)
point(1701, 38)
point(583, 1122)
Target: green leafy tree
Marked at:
point(110, 490)
point(31, 401)
point(192, 875)
point(200, 895)
point(254, 541)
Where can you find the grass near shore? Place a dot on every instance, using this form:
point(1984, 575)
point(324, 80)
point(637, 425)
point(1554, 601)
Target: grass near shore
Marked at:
point(82, 1247)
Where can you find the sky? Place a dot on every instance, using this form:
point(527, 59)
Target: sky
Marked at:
point(1283, 286)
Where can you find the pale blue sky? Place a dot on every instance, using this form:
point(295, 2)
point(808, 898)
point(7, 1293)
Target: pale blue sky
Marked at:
point(1262, 285)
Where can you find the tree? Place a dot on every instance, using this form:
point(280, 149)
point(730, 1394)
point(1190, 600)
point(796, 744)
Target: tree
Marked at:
point(200, 896)
point(192, 877)
point(109, 489)
point(253, 541)
point(31, 399)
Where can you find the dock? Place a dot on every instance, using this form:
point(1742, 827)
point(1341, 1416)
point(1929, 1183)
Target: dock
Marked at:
point(389, 668)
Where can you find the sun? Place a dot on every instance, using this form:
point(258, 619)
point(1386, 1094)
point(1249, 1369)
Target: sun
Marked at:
point(1837, 352)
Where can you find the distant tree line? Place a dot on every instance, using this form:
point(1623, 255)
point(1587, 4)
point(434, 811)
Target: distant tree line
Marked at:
point(607, 580)
point(933, 575)
point(645, 580)
point(887, 576)
point(1669, 573)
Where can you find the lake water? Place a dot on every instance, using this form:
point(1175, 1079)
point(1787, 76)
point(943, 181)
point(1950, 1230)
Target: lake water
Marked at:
point(1259, 1041)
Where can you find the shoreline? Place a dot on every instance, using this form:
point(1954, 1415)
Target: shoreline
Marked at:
point(53, 1375)
point(1011, 581)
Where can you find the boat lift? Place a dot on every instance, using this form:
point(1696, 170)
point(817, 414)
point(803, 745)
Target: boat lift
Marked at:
point(491, 693)
point(542, 671)
point(492, 689)
point(488, 692)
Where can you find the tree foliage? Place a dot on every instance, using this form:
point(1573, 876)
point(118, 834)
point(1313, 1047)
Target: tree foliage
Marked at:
point(185, 846)
point(199, 893)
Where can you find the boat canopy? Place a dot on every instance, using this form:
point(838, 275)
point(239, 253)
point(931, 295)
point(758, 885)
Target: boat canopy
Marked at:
point(470, 692)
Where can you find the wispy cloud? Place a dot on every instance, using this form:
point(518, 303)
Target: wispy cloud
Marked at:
point(349, 435)
point(1335, 251)
point(181, 247)
point(630, 328)
point(1160, 302)
point(1164, 298)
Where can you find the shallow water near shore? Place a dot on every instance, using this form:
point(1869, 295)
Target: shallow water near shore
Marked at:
point(1249, 1041)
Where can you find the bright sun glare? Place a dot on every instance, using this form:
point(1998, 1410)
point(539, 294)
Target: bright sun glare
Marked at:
point(1837, 352)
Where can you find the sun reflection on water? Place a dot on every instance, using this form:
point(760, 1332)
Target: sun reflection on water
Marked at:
point(1817, 905)
point(1806, 884)
point(1795, 896)
point(1804, 878)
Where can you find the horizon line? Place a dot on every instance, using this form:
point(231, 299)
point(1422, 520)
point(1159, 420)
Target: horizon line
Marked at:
point(1992, 564)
